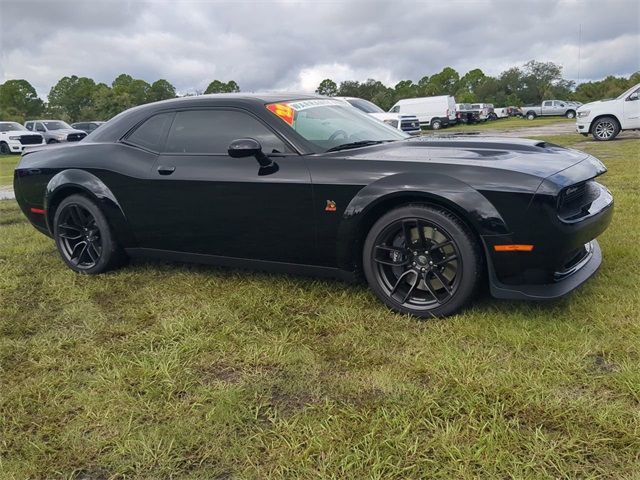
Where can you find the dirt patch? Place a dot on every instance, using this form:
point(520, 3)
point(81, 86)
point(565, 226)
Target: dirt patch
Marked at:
point(599, 364)
point(219, 372)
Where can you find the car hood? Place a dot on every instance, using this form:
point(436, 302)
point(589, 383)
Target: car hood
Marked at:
point(65, 131)
point(530, 157)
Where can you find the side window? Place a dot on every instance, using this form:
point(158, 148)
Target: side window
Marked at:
point(546, 104)
point(40, 127)
point(395, 109)
point(29, 126)
point(152, 132)
point(211, 131)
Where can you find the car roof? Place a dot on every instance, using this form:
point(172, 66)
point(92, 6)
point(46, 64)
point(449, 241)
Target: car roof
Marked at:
point(269, 97)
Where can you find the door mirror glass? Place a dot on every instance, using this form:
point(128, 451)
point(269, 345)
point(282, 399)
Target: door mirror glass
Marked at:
point(244, 147)
point(633, 96)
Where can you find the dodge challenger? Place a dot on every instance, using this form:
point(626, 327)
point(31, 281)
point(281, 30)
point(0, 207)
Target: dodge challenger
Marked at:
point(309, 185)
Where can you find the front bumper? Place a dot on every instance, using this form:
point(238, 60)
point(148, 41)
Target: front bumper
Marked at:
point(582, 271)
point(583, 126)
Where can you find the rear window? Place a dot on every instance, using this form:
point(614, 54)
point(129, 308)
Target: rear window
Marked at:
point(151, 134)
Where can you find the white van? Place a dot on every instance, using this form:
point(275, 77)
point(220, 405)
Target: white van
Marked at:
point(434, 112)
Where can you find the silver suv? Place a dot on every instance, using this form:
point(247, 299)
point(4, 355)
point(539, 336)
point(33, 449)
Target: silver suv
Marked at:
point(55, 131)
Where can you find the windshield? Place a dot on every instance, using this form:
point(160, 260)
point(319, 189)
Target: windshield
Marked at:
point(365, 105)
point(56, 125)
point(11, 127)
point(630, 91)
point(330, 123)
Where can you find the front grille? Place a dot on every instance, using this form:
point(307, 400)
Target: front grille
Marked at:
point(575, 199)
point(409, 125)
point(30, 139)
point(75, 137)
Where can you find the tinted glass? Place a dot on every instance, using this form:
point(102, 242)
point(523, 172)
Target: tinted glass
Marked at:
point(56, 125)
point(40, 127)
point(365, 106)
point(212, 131)
point(152, 132)
point(11, 127)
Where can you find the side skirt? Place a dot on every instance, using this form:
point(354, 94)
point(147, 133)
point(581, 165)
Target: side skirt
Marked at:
point(244, 263)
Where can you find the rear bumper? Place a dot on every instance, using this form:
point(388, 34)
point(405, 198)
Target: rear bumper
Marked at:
point(580, 274)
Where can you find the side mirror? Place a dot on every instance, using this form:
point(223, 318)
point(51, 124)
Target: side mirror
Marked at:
point(633, 96)
point(244, 147)
point(249, 147)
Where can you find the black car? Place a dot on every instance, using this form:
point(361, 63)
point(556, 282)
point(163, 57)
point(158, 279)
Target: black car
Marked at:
point(88, 127)
point(309, 185)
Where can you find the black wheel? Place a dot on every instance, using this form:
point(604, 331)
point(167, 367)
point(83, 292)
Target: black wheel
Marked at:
point(531, 116)
point(605, 128)
point(570, 114)
point(51, 140)
point(436, 124)
point(83, 236)
point(4, 149)
point(422, 260)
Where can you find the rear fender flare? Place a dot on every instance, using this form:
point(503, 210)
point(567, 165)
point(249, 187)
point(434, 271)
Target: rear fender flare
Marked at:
point(71, 181)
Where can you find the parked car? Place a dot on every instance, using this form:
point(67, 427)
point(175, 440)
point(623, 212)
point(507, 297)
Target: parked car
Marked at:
point(514, 111)
point(433, 112)
point(86, 127)
point(483, 109)
point(604, 119)
point(465, 114)
point(406, 123)
point(309, 185)
point(55, 131)
point(550, 108)
point(501, 112)
point(14, 138)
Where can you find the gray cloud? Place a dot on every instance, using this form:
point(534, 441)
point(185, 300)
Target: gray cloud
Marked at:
point(293, 45)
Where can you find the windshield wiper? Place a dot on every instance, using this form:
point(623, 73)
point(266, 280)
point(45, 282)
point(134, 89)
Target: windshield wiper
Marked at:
point(361, 143)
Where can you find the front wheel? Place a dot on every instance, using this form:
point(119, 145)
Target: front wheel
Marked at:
point(4, 149)
point(604, 129)
point(422, 260)
point(83, 237)
point(531, 116)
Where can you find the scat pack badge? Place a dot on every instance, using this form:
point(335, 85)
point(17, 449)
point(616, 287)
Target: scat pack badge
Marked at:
point(331, 206)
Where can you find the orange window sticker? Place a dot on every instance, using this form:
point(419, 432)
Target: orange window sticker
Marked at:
point(282, 110)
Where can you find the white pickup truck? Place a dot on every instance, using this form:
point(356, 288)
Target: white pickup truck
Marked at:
point(604, 119)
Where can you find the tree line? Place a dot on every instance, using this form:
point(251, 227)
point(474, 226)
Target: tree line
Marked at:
point(530, 84)
point(81, 98)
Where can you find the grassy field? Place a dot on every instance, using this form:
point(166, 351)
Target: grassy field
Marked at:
point(7, 163)
point(176, 371)
point(507, 123)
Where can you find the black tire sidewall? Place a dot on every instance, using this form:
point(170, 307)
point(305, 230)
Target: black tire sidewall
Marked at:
point(109, 246)
point(464, 241)
point(436, 125)
point(4, 148)
point(616, 129)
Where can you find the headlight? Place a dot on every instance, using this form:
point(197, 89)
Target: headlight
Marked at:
point(583, 113)
point(393, 123)
point(14, 138)
point(61, 137)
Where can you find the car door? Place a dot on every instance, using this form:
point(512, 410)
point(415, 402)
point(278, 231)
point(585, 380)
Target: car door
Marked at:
point(547, 107)
point(631, 110)
point(211, 203)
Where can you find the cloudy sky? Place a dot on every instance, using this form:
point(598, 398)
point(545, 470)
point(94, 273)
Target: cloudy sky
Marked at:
point(276, 45)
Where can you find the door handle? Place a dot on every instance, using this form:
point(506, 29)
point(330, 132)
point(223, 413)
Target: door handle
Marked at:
point(166, 170)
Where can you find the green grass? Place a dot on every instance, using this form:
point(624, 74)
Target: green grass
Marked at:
point(7, 164)
point(176, 371)
point(507, 123)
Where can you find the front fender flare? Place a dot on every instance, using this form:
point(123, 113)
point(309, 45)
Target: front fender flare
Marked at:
point(455, 195)
point(74, 180)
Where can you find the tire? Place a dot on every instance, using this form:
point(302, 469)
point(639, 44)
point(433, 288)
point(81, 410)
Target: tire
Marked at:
point(493, 116)
point(4, 148)
point(436, 276)
point(436, 125)
point(570, 114)
point(51, 140)
point(605, 129)
point(79, 221)
point(531, 116)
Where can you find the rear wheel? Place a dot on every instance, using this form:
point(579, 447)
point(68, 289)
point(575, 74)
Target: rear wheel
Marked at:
point(421, 260)
point(605, 128)
point(83, 237)
point(570, 114)
point(436, 124)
